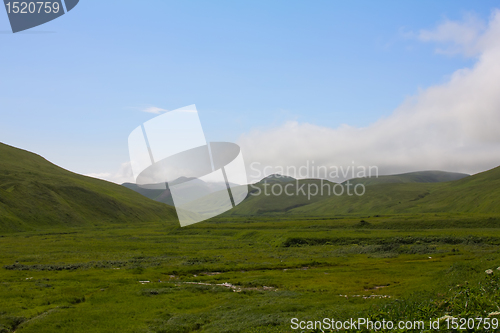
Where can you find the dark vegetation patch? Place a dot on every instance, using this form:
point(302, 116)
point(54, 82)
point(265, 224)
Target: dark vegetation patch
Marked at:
point(131, 263)
point(387, 248)
point(450, 240)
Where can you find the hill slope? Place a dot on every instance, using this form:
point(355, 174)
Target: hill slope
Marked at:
point(396, 188)
point(268, 195)
point(35, 193)
point(165, 196)
point(412, 177)
point(478, 194)
point(157, 195)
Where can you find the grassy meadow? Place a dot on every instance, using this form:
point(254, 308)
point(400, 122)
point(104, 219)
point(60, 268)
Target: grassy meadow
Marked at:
point(248, 274)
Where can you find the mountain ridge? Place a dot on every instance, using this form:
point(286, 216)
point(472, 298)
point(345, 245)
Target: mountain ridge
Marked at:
point(394, 194)
point(429, 176)
point(35, 193)
point(476, 194)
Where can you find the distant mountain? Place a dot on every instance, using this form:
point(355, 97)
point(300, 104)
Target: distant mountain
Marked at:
point(35, 193)
point(276, 178)
point(153, 194)
point(151, 191)
point(263, 204)
point(271, 195)
point(478, 194)
point(411, 177)
point(415, 192)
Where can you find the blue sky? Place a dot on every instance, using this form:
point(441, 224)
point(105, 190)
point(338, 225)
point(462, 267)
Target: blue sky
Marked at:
point(73, 89)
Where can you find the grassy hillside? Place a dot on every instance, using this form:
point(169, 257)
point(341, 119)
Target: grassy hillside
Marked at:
point(165, 196)
point(35, 193)
point(157, 195)
point(411, 177)
point(385, 194)
point(264, 197)
point(477, 194)
point(276, 178)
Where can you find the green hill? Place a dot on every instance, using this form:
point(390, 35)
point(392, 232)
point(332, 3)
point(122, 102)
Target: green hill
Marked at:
point(409, 186)
point(276, 178)
point(262, 200)
point(35, 193)
point(165, 196)
point(157, 195)
point(411, 177)
point(478, 194)
point(268, 196)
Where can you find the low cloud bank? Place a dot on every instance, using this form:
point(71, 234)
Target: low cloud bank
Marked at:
point(452, 126)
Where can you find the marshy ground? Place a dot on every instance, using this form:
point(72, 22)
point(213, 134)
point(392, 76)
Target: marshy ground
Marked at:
point(247, 274)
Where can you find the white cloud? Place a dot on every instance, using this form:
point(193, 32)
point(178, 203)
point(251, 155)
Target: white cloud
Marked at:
point(154, 109)
point(452, 127)
point(123, 175)
point(457, 37)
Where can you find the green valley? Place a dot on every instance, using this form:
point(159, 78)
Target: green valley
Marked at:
point(84, 255)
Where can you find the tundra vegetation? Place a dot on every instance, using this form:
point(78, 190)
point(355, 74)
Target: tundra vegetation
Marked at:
point(248, 274)
point(83, 255)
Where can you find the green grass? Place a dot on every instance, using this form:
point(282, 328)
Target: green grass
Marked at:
point(87, 279)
